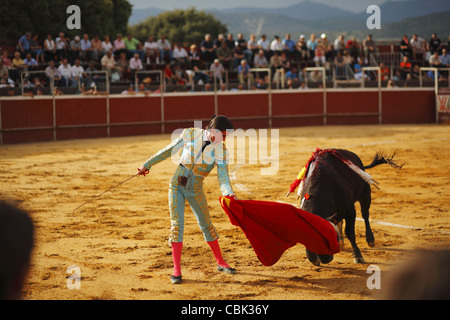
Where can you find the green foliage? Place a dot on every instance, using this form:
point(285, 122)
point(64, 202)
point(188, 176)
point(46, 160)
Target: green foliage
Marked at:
point(99, 17)
point(178, 25)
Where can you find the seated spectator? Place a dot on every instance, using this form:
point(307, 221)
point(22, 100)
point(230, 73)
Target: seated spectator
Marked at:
point(53, 73)
point(353, 48)
point(133, 46)
point(4, 75)
point(435, 44)
point(261, 83)
point(359, 74)
point(194, 58)
point(435, 60)
point(142, 89)
point(302, 49)
point(123, 66)
point(385, 73)
point(264, 44)
point(340, 69)
point(405, 68)
point(65, 69)
point(96, 45)
point(61, 47)
point(225, 57)
point(17, 66)
point(36, 49)
point(319, 56)
point(218, 71)
point(135, 65)
point(198, 76)
point(289, 46)
point(276, 67)
point(241, 42)
point(348, 59)
point(230, 41)
point(119, 46)
point(218, 41)
point(165, 49)
point(86, 48)
point(339, 44)
point(252, 45)
point(260, 60)
point(292, 75)
point(79, 76)
point(415, 73)
point(106, 46)
point(24, 45)
point(238, 55)
point(418, 47)
point(326, 46)
point(49, 48)
point(169, 77)
point(30, 62)
point(369, 47)
point(208, 50)
point(285, 62)
point(151, 50)
point(405, 47)
point(180, 55)
point(74, 51)
point(445, 59)
point(109, 64)
point(180, 75)
point(312, 44)
point(276, 45)
point(244, 74)
point(315, 76)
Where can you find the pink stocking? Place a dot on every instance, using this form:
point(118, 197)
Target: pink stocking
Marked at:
point(217, 254)
point(176, 256)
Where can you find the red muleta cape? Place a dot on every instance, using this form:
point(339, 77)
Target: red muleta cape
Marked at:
point(274, 227)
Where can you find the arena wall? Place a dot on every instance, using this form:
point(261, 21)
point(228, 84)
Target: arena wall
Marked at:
point(47, 118)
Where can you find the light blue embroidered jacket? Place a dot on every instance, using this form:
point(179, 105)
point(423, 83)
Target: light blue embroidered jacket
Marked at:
point(200, 163)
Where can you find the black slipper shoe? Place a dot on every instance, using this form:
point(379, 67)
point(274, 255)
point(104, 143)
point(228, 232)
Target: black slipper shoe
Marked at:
point(175, 280)
point(226, 270)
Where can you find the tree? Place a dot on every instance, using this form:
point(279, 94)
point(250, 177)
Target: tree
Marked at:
point(100, 17)
point(178, 25)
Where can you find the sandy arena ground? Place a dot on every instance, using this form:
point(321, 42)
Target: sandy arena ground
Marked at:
point(119, 241)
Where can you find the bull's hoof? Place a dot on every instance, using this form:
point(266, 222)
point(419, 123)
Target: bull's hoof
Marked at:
point(358, 260)
point(371, 243)
point(313, 258)
point(325, 258)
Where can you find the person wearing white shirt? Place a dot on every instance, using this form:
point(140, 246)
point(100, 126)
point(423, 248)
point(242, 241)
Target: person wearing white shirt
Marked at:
point(276, 45)
point(78, 73)
point(264, 44)
point(151, 50)
point(66, 74)
point(106, 45)
point(218, 71)
point(180, 54)
point(164, 48)
point(135, 65)
point(61, 47)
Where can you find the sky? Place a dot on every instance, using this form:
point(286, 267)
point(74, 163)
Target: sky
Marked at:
point(355, 6)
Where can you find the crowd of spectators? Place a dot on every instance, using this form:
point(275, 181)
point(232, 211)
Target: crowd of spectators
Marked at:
point(70, 61)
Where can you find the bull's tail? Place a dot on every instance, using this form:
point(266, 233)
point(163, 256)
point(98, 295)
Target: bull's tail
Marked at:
point(380, 158)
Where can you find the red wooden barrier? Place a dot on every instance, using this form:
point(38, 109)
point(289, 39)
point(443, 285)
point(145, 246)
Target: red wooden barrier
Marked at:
point(24, 119)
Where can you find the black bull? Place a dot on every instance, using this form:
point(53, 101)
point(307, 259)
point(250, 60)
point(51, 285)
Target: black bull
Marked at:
point(332, 188)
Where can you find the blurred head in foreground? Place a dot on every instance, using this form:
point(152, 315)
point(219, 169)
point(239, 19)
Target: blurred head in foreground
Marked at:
point(16, 243)
point(425, 277)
